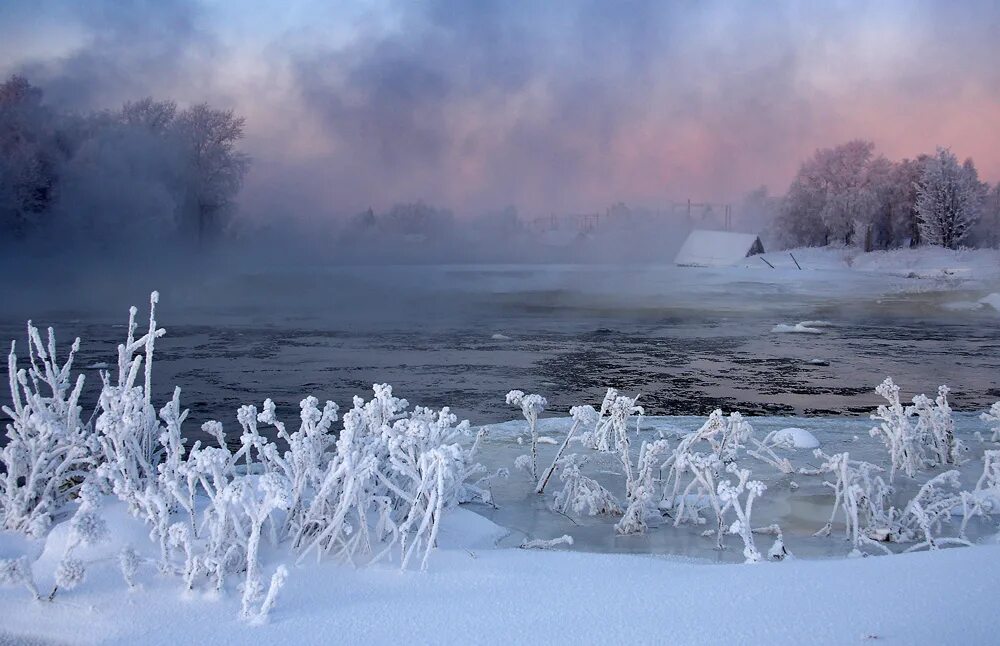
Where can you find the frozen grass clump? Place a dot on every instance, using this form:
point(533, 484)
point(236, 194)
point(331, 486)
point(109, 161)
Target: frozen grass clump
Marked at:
point(915, 446)
point(376, 487)
point(50, 449)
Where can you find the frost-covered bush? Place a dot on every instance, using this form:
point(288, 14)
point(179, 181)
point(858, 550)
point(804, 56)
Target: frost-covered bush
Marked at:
point(17, 571)
point(764, 450)
point(700, 471)
point(126, 426)
point(378, 485)
point(610, 433)
point(531, 407)
point(993, 417)
point(582, 416)
point(128, 563)
point(582, 494)
point(871, 520)
point(932, 507)
point(49, 448)
point(87, 527)
point(691, 484)
point(896, 432)
point(928, 442)
point(730, 496)
point(984, 499)
point(863, 497)
point(935, 428)
point(641, 489)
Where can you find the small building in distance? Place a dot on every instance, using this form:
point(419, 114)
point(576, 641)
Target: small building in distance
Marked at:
point(705, 248)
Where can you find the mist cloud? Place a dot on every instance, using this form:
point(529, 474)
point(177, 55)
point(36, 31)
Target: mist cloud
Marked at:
point(565, 106)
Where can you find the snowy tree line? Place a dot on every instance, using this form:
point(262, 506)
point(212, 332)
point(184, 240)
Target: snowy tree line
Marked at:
point(850, 195)
point(144, 171)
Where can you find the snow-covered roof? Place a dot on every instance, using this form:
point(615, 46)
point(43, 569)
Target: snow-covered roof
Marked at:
point(717, 248)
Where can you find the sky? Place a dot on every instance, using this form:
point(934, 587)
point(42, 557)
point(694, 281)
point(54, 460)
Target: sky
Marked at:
point(549, 106)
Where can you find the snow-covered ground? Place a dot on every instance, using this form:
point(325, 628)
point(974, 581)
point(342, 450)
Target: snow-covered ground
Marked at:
point(474, 593)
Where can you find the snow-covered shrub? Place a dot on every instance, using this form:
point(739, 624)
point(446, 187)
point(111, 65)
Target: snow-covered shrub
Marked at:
point(931, 441)
point(700, 471)
point(128, 563)
point(993, 417)
point(252, 498)
point(764, 450)
point(582, 494)
point(641, 489)
point(935, 428)
point(863, 498)
point(277, 581)
point(729, 495)
point(984, 499)
point(17, 571)
point(778, 551)
point(382, 481)
point(400, 466)
point(725, 436)
point(531, 407)
point(126, 426)
point(691, 484)
point(929, 509)
point(582, 416)
point(49, 448)
point(871, 520)
point(610, 433)
point(896, 432)
point(87, 527)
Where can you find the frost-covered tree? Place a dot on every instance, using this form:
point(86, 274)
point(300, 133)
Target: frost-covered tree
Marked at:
point(217, 167)
point(136, 150)
point(28, 157)
point(832, 193)
point(949, 199)
point(904, 225)
point(155, 116)
point(172, 172)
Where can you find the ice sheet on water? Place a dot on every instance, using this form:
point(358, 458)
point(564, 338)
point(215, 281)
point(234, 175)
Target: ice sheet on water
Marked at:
point(800, 504)
point(992, 300)
point(798, 328)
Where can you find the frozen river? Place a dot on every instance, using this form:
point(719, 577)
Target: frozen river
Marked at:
point(689, 340)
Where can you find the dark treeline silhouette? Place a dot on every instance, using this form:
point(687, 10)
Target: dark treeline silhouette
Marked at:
point(146, 171)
